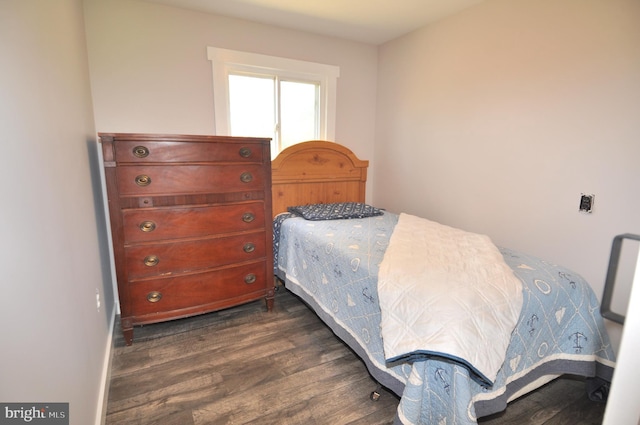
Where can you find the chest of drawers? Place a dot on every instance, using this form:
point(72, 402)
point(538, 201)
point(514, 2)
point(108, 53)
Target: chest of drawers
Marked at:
point(190, 223)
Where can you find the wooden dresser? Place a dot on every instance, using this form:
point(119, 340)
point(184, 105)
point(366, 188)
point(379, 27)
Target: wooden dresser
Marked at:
point(190, 223)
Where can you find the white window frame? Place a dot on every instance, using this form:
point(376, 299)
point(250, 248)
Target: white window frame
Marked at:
point(225, 61)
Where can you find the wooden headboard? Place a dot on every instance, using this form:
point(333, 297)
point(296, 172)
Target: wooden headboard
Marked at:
point(317, 172)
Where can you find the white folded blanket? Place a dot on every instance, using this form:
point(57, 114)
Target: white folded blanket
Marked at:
point(447, 292)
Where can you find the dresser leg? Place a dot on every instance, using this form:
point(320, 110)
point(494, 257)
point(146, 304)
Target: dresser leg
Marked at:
point(127, 331)
point(269, 299)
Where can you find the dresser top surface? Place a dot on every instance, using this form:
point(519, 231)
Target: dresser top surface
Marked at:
point(179, 138)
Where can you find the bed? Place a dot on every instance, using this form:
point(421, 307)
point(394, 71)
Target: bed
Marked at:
point(339, 268)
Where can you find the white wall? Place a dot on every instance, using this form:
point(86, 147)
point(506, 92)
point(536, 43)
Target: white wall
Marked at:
point(54, 339)
point(150, 72)
point(496, 119)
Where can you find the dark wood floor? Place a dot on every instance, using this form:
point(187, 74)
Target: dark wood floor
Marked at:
point(244, 365)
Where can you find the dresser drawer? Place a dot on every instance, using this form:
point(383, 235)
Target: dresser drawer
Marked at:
point(145, 180)
point(141, 151)
point(152, 224)
point(198, 290)
point(157, 259)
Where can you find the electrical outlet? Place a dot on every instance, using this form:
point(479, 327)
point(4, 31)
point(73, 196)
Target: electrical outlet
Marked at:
point(586, 203)
point(98, 303)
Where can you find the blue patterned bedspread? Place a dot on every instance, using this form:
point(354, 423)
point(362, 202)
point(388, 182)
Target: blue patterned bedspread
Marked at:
point(333, 266)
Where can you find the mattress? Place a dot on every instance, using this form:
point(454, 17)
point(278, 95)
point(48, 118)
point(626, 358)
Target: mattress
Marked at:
point(333, 266)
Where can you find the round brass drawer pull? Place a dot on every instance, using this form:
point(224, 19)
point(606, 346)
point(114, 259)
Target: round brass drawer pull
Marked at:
point(140, 151)
point(147, 226)
point(151, 260)
point(250, 278)
point(246, 177)
point(143, 180)
point(154, 296)
point(245, 152)
point(249, 247)
point(248, 217)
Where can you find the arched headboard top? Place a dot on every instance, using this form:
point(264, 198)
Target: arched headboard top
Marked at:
point(317, 172)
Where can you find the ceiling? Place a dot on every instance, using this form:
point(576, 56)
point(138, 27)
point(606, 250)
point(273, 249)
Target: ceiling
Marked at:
point(368, 21)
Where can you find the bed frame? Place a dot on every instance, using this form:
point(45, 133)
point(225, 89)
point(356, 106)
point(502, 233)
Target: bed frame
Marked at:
point(317, 172)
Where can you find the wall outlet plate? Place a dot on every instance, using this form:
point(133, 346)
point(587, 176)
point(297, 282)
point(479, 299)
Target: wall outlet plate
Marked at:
point(586, 203)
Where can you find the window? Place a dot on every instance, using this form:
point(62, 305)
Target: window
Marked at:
point(265, 96)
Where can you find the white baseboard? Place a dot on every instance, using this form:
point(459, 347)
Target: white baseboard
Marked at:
point(101, 408)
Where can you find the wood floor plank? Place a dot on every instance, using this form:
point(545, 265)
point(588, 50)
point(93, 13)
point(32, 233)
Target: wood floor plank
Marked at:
point(245, 365)
point(327, 407)
point(243, 407)
point(581, 411)
point(155, 413)
point(189, 392)
point(541, 407)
